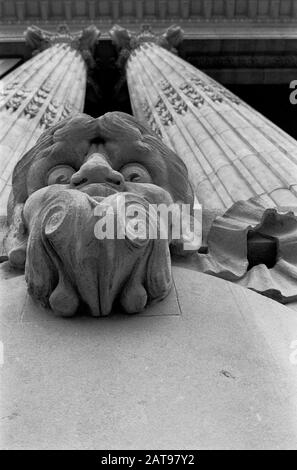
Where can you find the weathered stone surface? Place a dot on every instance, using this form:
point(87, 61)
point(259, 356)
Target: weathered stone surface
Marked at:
point(65, 186)
point(275, 273)
point(233, 154)
point(42, 91)
point(211, 366)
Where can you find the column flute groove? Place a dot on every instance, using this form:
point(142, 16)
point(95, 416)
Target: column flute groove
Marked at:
point(242, 167)
point(237, 130)
point(47, 88)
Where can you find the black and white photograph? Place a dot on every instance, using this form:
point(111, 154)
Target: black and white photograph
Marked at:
point(148, 228)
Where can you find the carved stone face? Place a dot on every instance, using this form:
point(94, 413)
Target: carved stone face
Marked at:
point(62, 188)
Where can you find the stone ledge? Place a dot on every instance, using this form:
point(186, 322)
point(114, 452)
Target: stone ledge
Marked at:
point(218, 376)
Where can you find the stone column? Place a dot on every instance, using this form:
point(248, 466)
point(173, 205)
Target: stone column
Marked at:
point(232, 153)
point(45, 89)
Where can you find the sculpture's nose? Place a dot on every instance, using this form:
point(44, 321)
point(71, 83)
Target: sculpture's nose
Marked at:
point(97, 170)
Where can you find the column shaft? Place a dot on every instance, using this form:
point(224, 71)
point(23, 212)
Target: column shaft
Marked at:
point(242, 167)
point(47, 88)
point(232, 152)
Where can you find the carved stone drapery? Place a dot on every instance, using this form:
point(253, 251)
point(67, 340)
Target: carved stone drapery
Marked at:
point(232, 153)
point(39, 93)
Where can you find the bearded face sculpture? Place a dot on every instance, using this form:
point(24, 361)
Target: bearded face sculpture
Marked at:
point(77, 173)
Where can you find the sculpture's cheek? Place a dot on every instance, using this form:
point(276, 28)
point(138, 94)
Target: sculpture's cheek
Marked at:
point(54, 167)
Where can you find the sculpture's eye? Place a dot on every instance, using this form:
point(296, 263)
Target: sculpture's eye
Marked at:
point(136, 173)
point(60, 174)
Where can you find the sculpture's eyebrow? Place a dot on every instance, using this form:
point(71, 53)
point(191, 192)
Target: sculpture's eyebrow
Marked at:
point(115, 126)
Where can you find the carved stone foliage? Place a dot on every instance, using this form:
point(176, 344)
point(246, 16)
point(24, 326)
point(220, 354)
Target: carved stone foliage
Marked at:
point(191, 89)
point(66, 110)
point(195, 98)
point(207, 89)
point(173, 97)
point(52, 111)
point(227, 94)
point(39, 39)
point(213, 90)
point(6, 90)
point(37, 101)
point(78, 171)
point(170, 100)
point(234, 156)
point(50, 114)
point(17, 98)
point(136, 10)
point(127, 42)
point(261, 61)
point(151, 119)
point(163, 112)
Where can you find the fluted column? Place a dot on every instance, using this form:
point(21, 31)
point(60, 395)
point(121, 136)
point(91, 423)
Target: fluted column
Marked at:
point(39, 93)
point(232, 153)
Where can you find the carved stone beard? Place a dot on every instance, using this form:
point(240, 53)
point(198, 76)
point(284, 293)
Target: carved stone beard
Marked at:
point(66, 264)
point(52, 228)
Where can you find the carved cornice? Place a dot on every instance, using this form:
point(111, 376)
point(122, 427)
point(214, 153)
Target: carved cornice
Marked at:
point(142, 10)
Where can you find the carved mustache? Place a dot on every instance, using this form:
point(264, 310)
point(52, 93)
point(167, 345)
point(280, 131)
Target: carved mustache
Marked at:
point(67, 266)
